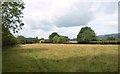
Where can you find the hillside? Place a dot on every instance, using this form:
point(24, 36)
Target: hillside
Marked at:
point(115, 35)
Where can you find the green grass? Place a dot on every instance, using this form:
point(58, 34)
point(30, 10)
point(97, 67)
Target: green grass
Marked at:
point(61, 58)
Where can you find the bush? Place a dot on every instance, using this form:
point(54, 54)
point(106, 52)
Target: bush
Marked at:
point(110, 38)
point(21, 40)
point(100, 42)
point(62, 39)
point(7, 38)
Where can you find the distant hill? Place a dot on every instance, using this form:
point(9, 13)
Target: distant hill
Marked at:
point(115, 35)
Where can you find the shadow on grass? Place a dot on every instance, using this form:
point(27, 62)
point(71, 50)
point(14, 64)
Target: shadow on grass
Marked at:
point(23, 61)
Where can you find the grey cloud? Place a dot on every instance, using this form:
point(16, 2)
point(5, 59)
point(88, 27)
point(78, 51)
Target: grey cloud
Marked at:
point(108, 7)
point(42, 25)
point(46, 25)
point(79, 15)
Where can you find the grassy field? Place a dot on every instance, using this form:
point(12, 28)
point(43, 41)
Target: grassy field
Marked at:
point(61, 58)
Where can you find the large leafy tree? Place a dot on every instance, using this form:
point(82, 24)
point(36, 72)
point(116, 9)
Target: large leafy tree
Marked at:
point(52, 36)
point(11, 13)
point(86, 34)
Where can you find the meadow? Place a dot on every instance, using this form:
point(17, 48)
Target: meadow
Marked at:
point(60, 58)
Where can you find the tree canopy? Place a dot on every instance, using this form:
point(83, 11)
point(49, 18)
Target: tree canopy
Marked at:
point(22, 40)
point(12, 14)
point(7, 38)
point(86, 34)
point(52, 36)
point(55, 39)
point(110, 38)
point(62, 39)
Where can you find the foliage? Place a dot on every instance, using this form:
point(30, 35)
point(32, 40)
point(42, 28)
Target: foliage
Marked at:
point(21, 39)
point(103, 42)
point(7, 38)
point(41, 39)
point(86, 34)
point(55, 39)
point(110, 38)
point(62, 39)
point(52, 36)
point(47, 41)
point(31, 40)
point(12, 14)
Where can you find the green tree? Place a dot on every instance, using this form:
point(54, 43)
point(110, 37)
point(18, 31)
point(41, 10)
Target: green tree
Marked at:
point(62, 39)
point(55, 39)
point(86, 34)
point(7, 38)
point(11, 13)
point(31, 40)
point(21, 40)
point(52, 36)
point(41, 39)
point(110, 38)
point(36, 40)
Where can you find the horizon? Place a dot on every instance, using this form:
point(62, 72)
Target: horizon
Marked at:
point(68, 37)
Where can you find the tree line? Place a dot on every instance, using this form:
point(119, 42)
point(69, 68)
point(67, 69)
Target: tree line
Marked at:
point(22, 40)
point(85, 36)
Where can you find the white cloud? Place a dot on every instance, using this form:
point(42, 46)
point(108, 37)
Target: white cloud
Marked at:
point(79, 14)
point(42, 17)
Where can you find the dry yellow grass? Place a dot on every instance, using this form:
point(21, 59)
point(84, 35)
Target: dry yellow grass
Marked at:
point(60, 51)
point(61, 58)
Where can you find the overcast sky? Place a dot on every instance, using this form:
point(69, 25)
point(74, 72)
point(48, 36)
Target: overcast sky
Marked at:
point(67, 17)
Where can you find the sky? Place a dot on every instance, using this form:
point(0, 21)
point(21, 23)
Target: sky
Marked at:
point(67, 17)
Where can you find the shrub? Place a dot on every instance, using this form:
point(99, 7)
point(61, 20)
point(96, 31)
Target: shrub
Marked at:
point(7, 38)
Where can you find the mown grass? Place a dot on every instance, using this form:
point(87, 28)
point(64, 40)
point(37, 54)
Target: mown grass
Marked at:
point(61, 58)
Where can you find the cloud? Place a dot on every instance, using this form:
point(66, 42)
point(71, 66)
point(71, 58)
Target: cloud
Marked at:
point(78, 15)
point(67, 17)
point(82, 13)
point(108, 7)
point(105, 23)
point(71, 32)
point(40, 24)
point(43, 12)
